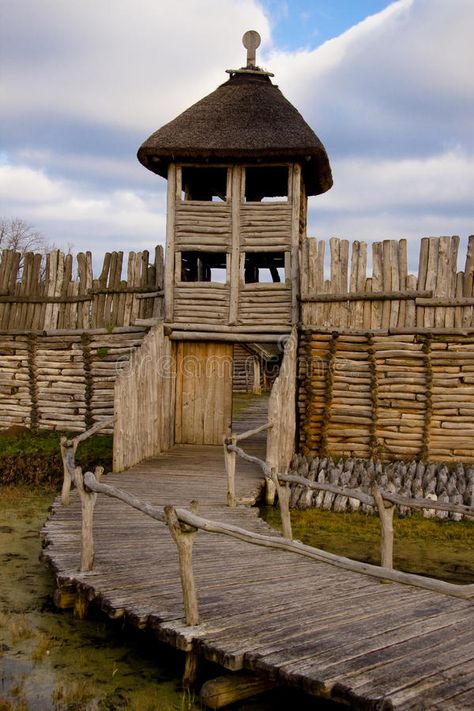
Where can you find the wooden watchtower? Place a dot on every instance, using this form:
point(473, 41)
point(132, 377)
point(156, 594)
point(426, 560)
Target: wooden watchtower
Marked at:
point(240, 165)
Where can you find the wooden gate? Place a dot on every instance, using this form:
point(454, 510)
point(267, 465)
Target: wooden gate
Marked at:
point(203, 392)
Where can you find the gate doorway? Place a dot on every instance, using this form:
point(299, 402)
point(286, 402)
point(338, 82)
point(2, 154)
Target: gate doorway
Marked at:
point(203, 392)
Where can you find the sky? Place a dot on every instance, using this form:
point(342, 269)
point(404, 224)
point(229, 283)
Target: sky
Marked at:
point(387, 87)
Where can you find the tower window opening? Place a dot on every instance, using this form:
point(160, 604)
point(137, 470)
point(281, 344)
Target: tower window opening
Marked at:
point(264, 267)
point(266, 183)
point(202, 183)
point(204, 266)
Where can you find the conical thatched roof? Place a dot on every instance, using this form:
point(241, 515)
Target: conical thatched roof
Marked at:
point(246, 119)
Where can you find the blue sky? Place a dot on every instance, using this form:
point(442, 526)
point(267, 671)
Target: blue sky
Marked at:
point(305, 24)
point(387, 86)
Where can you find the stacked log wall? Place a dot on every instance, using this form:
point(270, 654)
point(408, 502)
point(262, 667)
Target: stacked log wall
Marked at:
point(386, 361)
point(62, 380)
point(387, 396)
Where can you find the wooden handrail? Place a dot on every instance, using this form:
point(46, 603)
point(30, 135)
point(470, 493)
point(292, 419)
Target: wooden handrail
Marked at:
point(91, 431)
point(386, 495)
point(193, 521)
point(230, 452)
point(250, 433)
point(383, 501)
point(250, 458)
point(68, 453)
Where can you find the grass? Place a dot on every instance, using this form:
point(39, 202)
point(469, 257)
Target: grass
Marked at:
point(434, 547)
point(34, 458)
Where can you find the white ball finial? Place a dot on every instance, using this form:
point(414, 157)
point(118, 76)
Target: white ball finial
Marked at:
point(251, 40)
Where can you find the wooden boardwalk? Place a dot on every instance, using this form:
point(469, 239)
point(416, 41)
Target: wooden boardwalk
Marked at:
point(333, 633)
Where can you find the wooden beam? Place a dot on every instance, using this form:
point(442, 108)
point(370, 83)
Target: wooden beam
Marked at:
point(226, 337)
point(225, 690)
point(235, 257)
point(170, 229)
point(170, 327)
point(364, 296)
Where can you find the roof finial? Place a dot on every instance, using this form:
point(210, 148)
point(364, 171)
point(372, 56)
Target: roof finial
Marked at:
point(251, 40)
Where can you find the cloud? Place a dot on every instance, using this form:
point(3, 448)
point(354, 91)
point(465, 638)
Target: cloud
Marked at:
point(129, 63)
point(85, 83)
point(398, 83)
point(82, 218)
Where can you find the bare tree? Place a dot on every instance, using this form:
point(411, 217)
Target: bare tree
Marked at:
point(19, 235)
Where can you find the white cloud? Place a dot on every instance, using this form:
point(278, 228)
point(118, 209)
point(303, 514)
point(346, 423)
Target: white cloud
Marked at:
point(397, 83)
point(445, 179)
point(70, 214)
point(86, 82)
point(132, 63)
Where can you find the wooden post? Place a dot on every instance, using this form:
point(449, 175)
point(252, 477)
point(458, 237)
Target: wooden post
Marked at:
point(191, 663)
point(270, 491)
point(385, 510)
point(225, 690)
point(184, 540)
point(88, 499)
point(284, 502)
point(230, 459)
point(68, 452)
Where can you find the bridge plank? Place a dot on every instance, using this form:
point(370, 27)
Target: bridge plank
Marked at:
point(329, 631)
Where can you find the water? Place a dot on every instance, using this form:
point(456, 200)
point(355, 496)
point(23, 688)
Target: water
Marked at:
point(51, 661)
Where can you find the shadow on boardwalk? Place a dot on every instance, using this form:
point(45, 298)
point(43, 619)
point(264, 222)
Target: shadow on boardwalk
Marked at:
point(331, 632)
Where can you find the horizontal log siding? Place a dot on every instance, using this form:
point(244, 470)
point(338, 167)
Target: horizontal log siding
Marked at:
point(202, 226)
point(265, 305)
point(265, 226)
point(201, 304)
point(451, 304)
point(389, 397)
point(61, 382)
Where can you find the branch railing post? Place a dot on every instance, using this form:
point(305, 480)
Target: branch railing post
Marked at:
point(88, 501)
point(68, 454)
point(283, 492)
point(386, 510)
point(68, 451)
point(184, 538)
point(230, 460)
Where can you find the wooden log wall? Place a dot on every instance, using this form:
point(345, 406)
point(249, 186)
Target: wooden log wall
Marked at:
point(400, 396)
point(61, 292)
point(234, 228)
point(281, 410)
point(266, 227)
point(145, 396)
point(247, 371)
point(344, 295)
point(62, 380)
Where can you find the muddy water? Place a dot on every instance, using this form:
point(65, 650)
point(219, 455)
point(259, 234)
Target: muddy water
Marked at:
point(51, 661)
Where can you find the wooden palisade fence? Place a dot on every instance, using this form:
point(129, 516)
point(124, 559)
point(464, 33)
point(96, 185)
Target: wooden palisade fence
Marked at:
point(43, 294)
point(144, 402)
point(438, 297)
point(64, 338)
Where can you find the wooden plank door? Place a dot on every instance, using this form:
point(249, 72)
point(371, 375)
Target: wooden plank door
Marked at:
point(203, 392)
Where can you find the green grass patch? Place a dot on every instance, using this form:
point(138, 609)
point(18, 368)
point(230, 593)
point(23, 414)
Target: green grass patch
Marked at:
point(437, 548)
point(33, 458)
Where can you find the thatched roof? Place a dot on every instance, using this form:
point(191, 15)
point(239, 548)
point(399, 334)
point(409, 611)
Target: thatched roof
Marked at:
point(246, 119)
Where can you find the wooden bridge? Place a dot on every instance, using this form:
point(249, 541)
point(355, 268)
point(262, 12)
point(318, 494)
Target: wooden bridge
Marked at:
point(333, 633)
